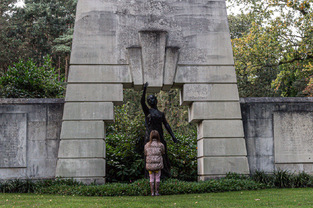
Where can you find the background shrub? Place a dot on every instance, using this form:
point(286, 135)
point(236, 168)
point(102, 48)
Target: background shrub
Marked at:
point(125, 139)
point(232, 182)
point(28, 80)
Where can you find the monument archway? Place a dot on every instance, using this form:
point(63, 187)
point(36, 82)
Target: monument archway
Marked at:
point(168, 43)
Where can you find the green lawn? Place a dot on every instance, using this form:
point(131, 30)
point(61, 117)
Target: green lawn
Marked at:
point(262, 198)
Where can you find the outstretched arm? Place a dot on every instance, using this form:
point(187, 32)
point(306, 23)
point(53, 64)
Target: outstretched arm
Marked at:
point(143, 99)
point(169, 130)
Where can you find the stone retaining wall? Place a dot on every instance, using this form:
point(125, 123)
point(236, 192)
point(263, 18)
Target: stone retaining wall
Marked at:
point(29, 137)
point(278, 134)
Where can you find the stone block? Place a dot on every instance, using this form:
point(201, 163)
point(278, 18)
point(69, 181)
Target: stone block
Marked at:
point(83, 130)
point(208, 92)
point(109, 74)
point(153, 56)
point(221, 147)
point(293, 137)
point(220, 129)
point(171, 59)
point(13, 137)
point(222, 165)
point(91, 148)
point(205, 74)
point(95, 93)
point(199, 111)
point(217, 50)
point(88, 111)
point(76, 168)
point(135, 65)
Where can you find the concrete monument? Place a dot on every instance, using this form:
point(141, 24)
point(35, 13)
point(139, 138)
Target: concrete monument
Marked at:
point(168, 43)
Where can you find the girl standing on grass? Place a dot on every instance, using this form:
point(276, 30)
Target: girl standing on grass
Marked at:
point(154, 150)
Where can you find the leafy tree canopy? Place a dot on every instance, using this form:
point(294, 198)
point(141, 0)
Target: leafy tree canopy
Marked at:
point(273, 49)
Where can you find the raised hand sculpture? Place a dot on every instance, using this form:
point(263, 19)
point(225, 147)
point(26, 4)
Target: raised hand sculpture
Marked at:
point(153, 121)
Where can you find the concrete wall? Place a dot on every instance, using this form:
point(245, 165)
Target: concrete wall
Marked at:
point(29, 137)
point(278, 135)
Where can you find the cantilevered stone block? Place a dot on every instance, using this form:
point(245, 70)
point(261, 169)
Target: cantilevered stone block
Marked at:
point(222, 147)
point(215, 49)
point(153, 54)
point(205, 74)
point(135, 65)
point(83, 129)
point(105, 74)
point(222, 165)
point(88, 111)
point(208, 92)
point(171, 60)
point(214, 110)
point(95, 93)
point(77, 168)
point(220, 128)
point(91, 148)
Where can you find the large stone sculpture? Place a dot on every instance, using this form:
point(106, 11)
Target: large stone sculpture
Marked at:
point(168, 43)
point(154, 119)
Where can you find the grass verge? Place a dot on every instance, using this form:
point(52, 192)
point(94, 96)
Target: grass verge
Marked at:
point(302, 197)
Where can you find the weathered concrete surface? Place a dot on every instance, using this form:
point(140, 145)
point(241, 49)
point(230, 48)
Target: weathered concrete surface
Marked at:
point(205, 74)
point(210, 166)
point(208, 92)
point(91, 148)
point(13, 133)
point(220, 129)
point(81, 168)
point(44, 125)
point(258, 114)
point(222, 147)
point(94, 93)
point(135, 65)
point(167, 43)
point(171, 59)
point(120, 21)
point(199, 111)
point(293, 137)
point(153, 56)
point(36, 127)
point(83, 130)
point(79, 111)
point(109, 74)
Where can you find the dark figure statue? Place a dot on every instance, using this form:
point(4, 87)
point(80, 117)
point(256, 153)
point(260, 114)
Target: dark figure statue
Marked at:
point(153, 121)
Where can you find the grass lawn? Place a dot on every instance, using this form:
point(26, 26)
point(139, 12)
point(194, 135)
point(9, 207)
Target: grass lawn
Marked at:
point(261, 198)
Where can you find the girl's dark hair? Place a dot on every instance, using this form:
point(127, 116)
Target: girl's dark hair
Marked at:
point(154, 135)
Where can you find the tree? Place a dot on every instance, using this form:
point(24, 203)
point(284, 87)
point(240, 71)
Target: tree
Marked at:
point(34, 30)
point(6, 7)
point(274, 58)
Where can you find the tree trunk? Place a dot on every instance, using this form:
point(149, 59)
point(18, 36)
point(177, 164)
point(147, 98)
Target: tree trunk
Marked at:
point(66, 67)
point(59, 70)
